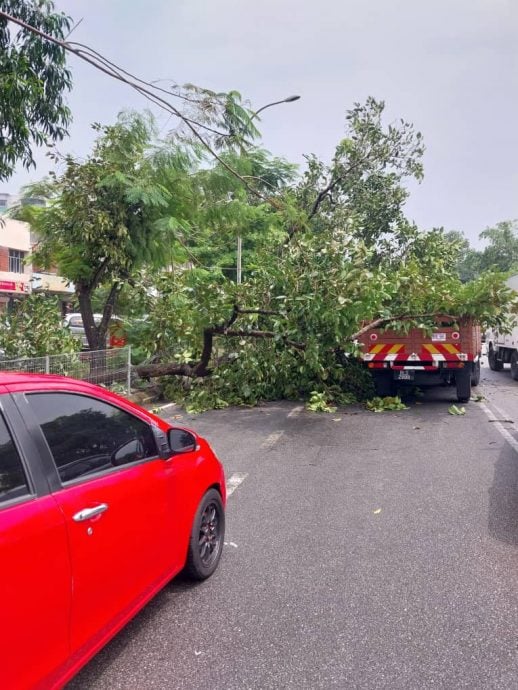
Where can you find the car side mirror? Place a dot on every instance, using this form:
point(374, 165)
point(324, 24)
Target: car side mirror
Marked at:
point(129, 452)
point(181, 441)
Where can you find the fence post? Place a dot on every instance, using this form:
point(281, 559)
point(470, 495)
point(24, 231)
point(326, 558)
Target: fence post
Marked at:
point(47, 364)
point(129, 370)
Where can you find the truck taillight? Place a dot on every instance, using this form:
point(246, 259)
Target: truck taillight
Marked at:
point(373, 337)
point(455, 335)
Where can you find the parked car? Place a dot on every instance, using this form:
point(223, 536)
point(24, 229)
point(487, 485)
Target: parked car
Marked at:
point(116, 331)
point(101, 504)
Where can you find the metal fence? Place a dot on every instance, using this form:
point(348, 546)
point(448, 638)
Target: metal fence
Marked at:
point(104, 367)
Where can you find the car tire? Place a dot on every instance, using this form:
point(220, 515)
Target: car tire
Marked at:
point(207, 534)
point(494, 363)
point(514, 365)
point(475, 374)
point(463, 384)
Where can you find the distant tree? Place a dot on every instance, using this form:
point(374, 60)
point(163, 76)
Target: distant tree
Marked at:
point(501, 251)
point(468, 263)
point(33, 81)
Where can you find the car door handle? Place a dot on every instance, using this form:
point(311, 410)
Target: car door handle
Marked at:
point(88, 513)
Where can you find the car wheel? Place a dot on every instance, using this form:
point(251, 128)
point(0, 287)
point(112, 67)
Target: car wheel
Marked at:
point(494, 363)
point(514, 365)
point(208, 532)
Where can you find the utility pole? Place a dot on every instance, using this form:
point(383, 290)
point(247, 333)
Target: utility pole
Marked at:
point(239, 252)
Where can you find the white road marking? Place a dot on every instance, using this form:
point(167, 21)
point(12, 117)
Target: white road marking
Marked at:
point(272, 439)
point(234, 481)
point(230, 543)
point(501, 428)
point(296, 411)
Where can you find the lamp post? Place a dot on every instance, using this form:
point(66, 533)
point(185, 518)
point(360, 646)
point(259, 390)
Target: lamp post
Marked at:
point(289, 99)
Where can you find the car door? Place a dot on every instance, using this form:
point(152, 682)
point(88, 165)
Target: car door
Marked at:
point(112, 492)
point(35, 576)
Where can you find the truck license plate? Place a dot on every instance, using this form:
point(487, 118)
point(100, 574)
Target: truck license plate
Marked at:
point(404, 375)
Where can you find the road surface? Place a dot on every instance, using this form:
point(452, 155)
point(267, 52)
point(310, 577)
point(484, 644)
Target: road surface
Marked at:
point(362, 551)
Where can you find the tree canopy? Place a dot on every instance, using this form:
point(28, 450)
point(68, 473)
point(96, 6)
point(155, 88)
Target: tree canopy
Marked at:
point(107, 215)
point(327, 253)
point(34, 79)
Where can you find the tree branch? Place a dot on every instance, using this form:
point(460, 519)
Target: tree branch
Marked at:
point(147, 371)
point(263, 312)
point(108, 311)
point(258, 334)
point(380, 322)
point(145, 88)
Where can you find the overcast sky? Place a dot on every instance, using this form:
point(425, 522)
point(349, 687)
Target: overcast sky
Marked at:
point(448, 66)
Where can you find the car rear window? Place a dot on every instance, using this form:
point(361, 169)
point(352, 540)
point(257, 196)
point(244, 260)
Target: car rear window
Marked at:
point(13, 482)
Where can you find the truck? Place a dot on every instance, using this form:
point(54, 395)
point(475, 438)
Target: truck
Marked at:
point(447, 354)
point(502, 348)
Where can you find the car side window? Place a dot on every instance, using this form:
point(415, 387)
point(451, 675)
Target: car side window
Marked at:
point(13, 482)
point(86, 435)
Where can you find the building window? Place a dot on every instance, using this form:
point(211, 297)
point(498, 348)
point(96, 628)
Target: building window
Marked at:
point(16, 261)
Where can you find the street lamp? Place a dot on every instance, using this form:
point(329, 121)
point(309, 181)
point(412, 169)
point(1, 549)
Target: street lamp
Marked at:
point(289, 99)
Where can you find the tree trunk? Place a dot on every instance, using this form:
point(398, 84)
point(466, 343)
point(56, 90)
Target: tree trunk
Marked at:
point(85, 307)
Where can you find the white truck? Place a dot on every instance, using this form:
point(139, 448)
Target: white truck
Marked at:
point(501, 348)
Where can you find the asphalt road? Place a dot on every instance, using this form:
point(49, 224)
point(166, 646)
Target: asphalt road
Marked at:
point(363, 551)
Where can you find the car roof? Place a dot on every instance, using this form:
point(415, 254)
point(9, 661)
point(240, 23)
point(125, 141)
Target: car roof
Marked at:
point(8, 377)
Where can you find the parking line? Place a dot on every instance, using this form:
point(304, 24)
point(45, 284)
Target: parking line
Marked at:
point(501, 428)
point(272, 439)
point(296, 411)
point(234, 481)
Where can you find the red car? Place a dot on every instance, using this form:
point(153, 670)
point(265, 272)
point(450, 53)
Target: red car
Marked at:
point(101, 504)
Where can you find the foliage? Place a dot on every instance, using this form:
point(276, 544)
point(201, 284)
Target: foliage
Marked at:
point(385, 404)
point(456, 411)
point(227, 211)
point(34, 328)
point(326, 256)
point(318, 403)
point(33, 80)
point(314, 281)
point(500, 253)
point(364, 182)
point(103, 220)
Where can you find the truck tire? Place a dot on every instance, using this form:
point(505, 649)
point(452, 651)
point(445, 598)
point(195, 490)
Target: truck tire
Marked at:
point(383, 384)
point(514, 365)
point(463, 384)
point(494, 363)
point(475, 374)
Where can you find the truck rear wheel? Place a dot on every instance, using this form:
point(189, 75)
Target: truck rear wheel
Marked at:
point(475, 374)
point(494, 363)
point(383, 384)
point(463, 383)
point(514, 365)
